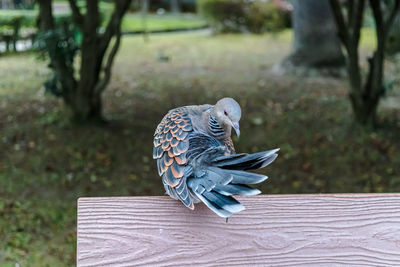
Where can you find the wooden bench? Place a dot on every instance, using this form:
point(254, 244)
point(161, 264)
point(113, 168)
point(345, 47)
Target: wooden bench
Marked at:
point(274, 230)
point(11, 32)
point(10, 36)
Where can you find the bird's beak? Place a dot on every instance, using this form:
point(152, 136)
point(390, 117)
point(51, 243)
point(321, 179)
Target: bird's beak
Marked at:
point(235, 126)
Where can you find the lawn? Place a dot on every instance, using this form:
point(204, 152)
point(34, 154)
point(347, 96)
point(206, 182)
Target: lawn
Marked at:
point(136, 22)
point(46, 163)
point(131, 22)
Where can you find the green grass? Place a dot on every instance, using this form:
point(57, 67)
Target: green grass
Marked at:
point(131, 22)
point(28, 17)
point(367, 40)
point(161, 22)
point(46, 163)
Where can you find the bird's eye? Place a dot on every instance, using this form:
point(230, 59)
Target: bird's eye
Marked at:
point(226, 113)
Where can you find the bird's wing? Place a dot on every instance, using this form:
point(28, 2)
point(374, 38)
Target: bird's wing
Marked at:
point(171, 143)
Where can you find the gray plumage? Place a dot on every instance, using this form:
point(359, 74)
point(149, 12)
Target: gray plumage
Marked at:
point(197, 161)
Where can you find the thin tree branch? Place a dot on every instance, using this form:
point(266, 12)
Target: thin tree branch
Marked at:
point(377, 12)
point(340, 23)
point(392, 16)
point(76, 13)
point(357, 21)
point(108, 67)
point(121, 6)
point(113, 29)
point(350, 9)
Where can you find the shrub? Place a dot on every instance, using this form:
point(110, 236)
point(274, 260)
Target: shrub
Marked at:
point(27, 18)
point(254, 16)
point(393, 43)
point(61, 43)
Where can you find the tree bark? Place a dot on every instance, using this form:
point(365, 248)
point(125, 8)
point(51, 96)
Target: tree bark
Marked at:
point(174, 6)
point(315, 40)
point(45, 20)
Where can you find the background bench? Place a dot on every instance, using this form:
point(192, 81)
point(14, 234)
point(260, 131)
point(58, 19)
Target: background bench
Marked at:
point(274, 230)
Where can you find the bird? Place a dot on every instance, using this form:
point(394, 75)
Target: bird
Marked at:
point(196, 158)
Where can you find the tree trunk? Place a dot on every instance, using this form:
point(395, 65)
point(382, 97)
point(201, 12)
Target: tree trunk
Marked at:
point(87, 102)
point(83, 96)
point(45, 19)
point(86, 108)
point(175, 7)
point(315, 40)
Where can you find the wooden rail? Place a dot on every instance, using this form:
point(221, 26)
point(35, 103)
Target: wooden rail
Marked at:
point(274, 230)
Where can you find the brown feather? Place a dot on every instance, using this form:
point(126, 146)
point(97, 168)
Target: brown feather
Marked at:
point(170, 179)
point(171, 144)
point(165, 146)
point(171, 154)
point(168, 136)
point(174, 142)
point(187, 127)
point(167, 160)
point(175, 129)
point(181, 159)
point(182, 136)
point(177, 172)
point(229, 145)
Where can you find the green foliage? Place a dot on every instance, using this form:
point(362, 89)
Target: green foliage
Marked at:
point(9, 31)
point(26, 17)
point(10, 23)
point(393, 41)
point(243, 16)
point(276, 19)
point(60, 43)
point(131, 22)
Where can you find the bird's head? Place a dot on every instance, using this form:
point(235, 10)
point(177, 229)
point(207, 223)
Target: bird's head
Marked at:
point(227, 112)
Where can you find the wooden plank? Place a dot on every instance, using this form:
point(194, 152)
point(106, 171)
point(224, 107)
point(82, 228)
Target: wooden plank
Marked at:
point(274, 230)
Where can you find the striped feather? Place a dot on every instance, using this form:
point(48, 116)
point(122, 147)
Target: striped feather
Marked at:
point(214, 127)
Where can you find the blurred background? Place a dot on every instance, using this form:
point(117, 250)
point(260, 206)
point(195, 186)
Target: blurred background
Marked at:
point(83, 86)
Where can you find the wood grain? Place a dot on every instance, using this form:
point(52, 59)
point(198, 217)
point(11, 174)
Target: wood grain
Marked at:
point(274, 230)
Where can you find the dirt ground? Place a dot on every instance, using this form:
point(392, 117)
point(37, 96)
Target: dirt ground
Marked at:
point(47, 163)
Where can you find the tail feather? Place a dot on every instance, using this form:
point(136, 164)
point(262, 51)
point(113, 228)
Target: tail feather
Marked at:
point(215, 208)
point(226, 176)
point(240, 177)
point(222, 205)
point(246, 161)
point(268, 160)
point(236, 189)
point(224, 202)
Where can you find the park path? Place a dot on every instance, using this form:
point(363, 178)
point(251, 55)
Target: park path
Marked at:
point(60, 7)
point(24, 45)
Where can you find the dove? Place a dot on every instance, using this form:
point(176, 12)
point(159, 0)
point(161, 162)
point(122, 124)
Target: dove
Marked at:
point(196, 158)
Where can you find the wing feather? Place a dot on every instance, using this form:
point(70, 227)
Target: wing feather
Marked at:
point(171, 142)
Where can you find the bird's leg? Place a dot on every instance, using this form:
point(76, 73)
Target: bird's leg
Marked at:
point(226, 220)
